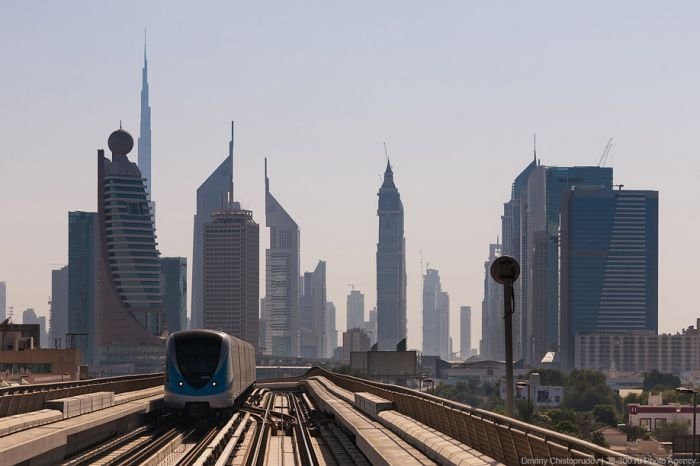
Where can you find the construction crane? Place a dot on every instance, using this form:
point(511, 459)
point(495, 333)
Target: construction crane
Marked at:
point(606, 152)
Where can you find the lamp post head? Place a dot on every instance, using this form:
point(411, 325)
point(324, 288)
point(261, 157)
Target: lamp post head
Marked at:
point(505, 269)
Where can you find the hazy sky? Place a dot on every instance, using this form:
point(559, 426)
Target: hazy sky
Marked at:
point(456, 88)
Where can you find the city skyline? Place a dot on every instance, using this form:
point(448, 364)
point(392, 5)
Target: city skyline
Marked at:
point(469, 148)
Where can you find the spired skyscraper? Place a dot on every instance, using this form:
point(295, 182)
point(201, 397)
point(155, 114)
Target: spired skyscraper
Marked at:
point(144, 147)
point(212, 195)
point(391, 266)
point(129, 324)
point(281, 311)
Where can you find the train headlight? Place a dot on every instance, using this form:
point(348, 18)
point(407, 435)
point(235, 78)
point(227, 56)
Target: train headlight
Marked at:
point(180, 383)
point(213, 384)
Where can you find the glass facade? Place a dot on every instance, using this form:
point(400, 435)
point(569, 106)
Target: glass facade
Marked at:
point(174, 285)
point(543, 282)
point(609, 263)
point(81, 283)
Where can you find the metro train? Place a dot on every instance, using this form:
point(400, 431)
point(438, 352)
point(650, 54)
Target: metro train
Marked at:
point(207, 369)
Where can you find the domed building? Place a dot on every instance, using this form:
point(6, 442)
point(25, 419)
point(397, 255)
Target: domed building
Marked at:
point(129, 324)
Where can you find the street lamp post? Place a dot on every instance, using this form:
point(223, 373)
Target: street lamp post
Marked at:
point(505, 270)
point(695, 404)
point(522, 384)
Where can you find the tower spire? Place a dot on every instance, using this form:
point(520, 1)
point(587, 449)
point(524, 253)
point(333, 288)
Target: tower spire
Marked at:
point(230, 154)
point(534, 147)
point(267, 180)
point(144, 141)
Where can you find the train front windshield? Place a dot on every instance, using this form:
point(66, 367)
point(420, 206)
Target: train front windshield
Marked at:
point(197, 357)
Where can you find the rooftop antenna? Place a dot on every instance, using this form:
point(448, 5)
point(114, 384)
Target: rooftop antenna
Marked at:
point(120, 124)
point(386, 152)
point(534, 147)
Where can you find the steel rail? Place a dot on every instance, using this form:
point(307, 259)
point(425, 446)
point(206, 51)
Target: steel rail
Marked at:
point(137, 455)
point(306, 450)
point(196, 451)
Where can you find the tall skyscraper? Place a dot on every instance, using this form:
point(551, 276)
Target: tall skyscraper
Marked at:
point(59, 307)
point(391, 266)
point(514, 241)
point(545, 188)
point(492, 326)
point(173, 276)
point(281, 279)
point(82, 265)
point(355, 310)
point(313, 325)
point(129, 322)
point(231, 273)
point(465, 331)
point(212, 195)
point(3, 301)
point(331, 330)
point(530, 227)
point(436, 316)
point(144, 143)
point(609, 248)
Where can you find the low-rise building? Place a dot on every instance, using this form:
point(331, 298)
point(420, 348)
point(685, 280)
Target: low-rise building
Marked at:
point(655, 414)
point(640, 351)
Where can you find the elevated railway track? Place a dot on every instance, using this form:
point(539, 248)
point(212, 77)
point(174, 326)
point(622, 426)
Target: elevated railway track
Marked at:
point(323, 418)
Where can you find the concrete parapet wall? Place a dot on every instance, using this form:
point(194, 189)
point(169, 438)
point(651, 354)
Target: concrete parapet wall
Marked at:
point(82, 404)
point(372, 405)
point(12, 424)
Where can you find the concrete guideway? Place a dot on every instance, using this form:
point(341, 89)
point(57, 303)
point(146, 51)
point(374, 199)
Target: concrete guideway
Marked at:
point(506, 440)
point(323, 418)
point(49, 444)
point(358, 411)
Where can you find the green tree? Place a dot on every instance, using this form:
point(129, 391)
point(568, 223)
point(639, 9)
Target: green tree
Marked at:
point(586, 388)
point(552, 377)
point(656, 380)
point(586, 424)
point(605, 414)
point(567, 427)
point(670, 395)
point(666, 432)
point(542, 419)
point(459, 392)
point(641, 399)
point(598, 439)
